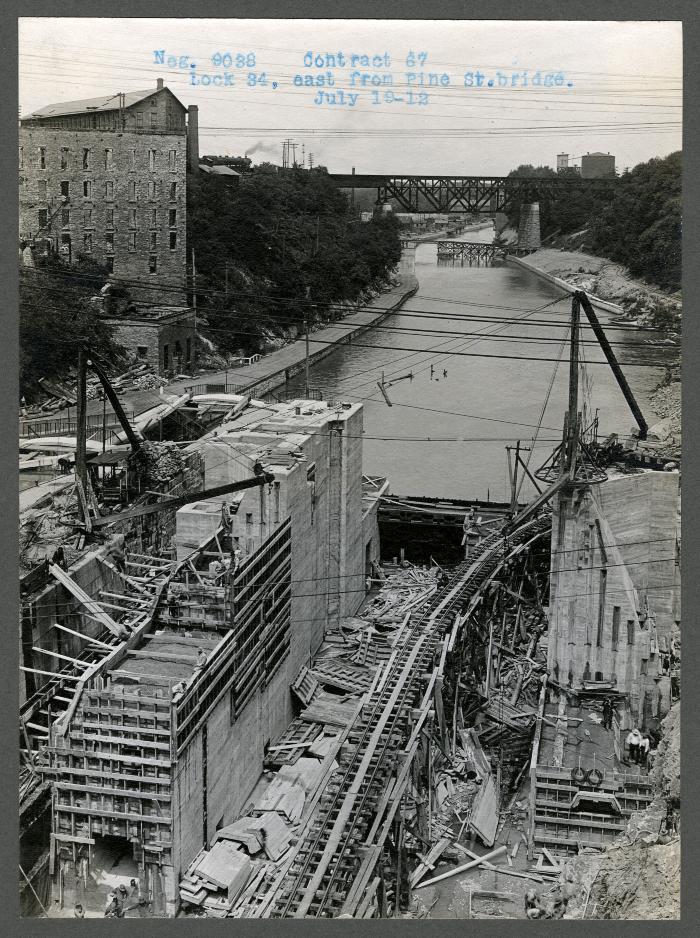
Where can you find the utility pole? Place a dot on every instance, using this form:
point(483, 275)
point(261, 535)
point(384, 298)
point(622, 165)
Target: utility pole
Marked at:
point(311, 161)
point(81, 430)
point(194, 303)
point(306, 361)
point(226, 276)
point(572, 413)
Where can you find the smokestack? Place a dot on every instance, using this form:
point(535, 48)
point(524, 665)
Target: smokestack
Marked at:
point(193, 138)
point(159, 84)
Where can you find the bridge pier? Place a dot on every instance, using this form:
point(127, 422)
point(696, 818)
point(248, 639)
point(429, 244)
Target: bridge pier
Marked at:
point(407, 264)
point(529, 228)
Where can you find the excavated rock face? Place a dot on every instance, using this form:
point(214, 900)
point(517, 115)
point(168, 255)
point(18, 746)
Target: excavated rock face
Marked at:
point(639, 882)
point(666, 773)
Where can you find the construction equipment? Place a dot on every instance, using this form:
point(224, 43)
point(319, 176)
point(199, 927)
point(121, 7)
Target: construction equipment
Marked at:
point(140, 510)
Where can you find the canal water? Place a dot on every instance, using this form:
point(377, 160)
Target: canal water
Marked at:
point(446, 431)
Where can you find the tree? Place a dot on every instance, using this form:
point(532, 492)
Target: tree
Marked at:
point(56, 315)
point(278, 248)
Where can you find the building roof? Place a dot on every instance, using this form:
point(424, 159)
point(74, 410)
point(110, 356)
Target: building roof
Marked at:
point(90, 105)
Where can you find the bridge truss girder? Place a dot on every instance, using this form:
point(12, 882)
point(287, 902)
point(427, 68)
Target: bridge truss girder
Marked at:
point(472, 194)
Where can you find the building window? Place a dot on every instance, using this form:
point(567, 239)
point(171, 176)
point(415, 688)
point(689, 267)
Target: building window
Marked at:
point(139, 118)
point(154, 218)
point(65, 218)
point(172, 217)
point(109, 242)
point(133, 160)
point(173, 240)
point(21, 157)
point(166, 357)
point(154, 241)
point(132, 218)
point(87, 243)
point(151, 160)
point(65, 189)
point(173, 191)
point(188, 350)
point(64, 157)
point(109, 263)
point(65, 244)
point(87, 189)
point(154, 120)
point(142, 351)
point(153, 189)
point(41, 185)
point(132, 191)
point(154, 103)
point(152, 265)
point(42, 157)
point(615, 627)
point(132, 240)
point(643, 666)
point(110, 218)
point(109, 154)
point(87, 217)
point(630, 631)
point(172, 159)
point(109, 189)
point(43, 218)
point(86, 158)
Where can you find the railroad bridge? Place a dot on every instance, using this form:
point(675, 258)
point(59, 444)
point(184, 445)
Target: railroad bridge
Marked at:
point(467, 194)
point(473, 253)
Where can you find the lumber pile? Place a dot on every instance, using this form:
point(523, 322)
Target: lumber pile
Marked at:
point(216, 878)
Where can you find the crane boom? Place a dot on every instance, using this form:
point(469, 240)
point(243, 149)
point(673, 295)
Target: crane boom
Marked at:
point(140, 510)
point(614, 364)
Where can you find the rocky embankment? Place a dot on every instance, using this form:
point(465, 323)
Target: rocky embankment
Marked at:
point(642, 305)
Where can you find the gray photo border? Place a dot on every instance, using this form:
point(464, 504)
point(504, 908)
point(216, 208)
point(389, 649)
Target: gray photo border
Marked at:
point(620, 10)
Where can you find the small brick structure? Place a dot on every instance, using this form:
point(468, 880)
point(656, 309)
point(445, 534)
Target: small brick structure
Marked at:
point(163, 336)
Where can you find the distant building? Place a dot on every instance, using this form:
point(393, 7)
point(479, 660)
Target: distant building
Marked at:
point(597, 165)
point(562, 161)
point(105, 178)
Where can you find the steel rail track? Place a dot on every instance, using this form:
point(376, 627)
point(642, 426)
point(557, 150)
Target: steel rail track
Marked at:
point(326, 859)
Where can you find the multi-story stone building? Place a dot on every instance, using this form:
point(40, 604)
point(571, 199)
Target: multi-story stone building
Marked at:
point(104, 178)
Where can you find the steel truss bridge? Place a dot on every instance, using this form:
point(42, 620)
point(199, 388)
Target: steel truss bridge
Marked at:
point(468, 194)
point(468, 252)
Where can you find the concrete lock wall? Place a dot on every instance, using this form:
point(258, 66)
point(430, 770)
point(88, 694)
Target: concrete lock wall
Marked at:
point(129, 203)
point(529, 227)
point(616, 583)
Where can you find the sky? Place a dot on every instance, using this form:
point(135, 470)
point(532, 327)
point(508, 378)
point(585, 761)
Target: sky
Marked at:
point(620, 87)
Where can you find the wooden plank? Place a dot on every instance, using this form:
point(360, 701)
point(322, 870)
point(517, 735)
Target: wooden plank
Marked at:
point(114, 792)
point(79, 593)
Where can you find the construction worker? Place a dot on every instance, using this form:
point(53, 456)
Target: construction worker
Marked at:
point(78, 911)
point(644, 751)
point(633, 740)
point(202, 659)
point(607, 713)
point(114, 907)
point(532, 904)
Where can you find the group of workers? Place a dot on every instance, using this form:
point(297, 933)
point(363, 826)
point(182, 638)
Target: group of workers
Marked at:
point(116, 900)
point(555, 903)
point(638, 746)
